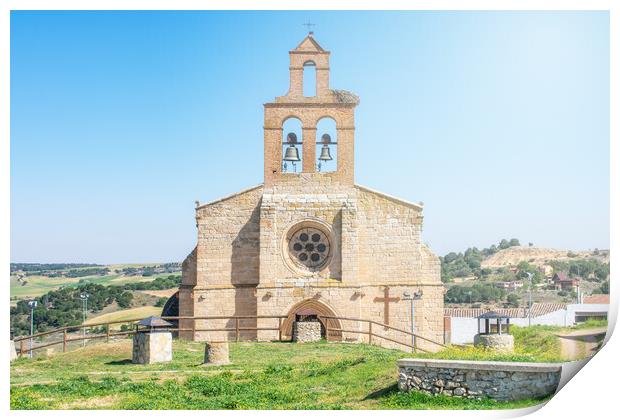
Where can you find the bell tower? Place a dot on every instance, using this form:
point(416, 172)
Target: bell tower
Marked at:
point(302, 158)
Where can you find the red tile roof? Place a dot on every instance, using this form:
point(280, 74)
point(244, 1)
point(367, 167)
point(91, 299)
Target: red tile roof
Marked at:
point(538, 309)
point(604, 299)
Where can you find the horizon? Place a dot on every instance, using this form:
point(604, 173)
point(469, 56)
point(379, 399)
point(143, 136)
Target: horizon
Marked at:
point(497, 121)
point(169, 261)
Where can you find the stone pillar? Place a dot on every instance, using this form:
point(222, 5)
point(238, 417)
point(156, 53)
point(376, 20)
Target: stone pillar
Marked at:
point(502, 343)
point(309, 149)
point(307, 332)
point(322, 82)
point(217, 353)
point(13, 351)
point(152, 347)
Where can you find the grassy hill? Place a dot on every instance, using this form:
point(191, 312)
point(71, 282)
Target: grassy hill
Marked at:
point(260, 376)
point(512, 256)
point(125, 314)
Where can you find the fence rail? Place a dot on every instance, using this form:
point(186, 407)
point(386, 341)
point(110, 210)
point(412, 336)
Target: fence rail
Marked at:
point(237, 329)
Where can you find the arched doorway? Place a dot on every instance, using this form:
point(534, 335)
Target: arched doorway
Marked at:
point(313, 308)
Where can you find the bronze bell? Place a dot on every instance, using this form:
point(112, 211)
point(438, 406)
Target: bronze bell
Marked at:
point(291, 154)
point(325, 153)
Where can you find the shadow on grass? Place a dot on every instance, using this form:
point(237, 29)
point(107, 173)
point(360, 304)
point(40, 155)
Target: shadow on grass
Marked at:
point(119, 362)
point(383, 392)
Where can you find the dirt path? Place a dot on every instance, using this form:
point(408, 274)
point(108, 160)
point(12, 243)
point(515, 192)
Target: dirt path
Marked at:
point(579, 344)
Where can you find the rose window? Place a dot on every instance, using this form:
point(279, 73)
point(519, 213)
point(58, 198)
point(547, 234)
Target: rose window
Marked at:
point(309, 247)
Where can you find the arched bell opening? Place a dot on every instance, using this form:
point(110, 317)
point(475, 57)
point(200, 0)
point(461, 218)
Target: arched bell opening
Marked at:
point(326, 145)
point(309, 79)
point(312, 309)
point(292, 150)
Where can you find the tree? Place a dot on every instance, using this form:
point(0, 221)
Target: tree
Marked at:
point(514, 242)
point(504, 244)
point(603, 288)
point(124, 299)
point(512, 300)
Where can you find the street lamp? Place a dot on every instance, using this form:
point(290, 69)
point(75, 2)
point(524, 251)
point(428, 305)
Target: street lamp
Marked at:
point(84, 299)
point(416, 296)
point(32, 304)
point(529, 309)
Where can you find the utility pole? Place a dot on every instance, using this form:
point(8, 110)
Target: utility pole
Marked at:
point(32, 304)
point(529, 310)
point(84, 298)
point(412, 298)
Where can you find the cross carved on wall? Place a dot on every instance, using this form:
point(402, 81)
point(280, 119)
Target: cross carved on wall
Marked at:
point(386, 299)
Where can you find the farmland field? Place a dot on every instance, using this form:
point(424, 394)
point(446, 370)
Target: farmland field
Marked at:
point(38, 285)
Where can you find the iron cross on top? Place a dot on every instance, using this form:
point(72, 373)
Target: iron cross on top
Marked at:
point(309, 25)
point(386, 299)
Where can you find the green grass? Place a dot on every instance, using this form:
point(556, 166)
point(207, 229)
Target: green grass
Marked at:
point(532, 344)
point(261, 376)
point(589, 324)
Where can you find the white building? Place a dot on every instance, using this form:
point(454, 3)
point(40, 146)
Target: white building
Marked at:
point(464, 325)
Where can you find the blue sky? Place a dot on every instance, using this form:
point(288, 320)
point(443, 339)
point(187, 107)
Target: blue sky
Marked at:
point(497, 121)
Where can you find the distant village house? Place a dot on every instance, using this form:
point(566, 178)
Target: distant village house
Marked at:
point(561, 281)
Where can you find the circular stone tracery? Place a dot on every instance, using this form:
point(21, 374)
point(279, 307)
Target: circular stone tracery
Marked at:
point(309, 247)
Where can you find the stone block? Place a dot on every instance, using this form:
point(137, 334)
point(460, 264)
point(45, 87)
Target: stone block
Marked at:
point(13, 351)
point(152, 347)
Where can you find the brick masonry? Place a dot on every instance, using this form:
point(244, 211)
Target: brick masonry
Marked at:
point(241, 265)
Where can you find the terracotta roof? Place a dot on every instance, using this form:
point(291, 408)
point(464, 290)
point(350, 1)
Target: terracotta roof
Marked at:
point(538, 309)
point(603, 299)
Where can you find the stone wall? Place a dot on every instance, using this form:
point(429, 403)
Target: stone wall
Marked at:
point(307, 332)
point(228, 240)
point(502, 343)
point(501, 381)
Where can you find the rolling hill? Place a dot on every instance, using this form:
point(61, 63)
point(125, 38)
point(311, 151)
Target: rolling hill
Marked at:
point(510, 257)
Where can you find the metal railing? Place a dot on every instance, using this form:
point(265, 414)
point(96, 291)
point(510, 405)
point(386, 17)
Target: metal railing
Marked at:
point(370, 333)
point(330, 331)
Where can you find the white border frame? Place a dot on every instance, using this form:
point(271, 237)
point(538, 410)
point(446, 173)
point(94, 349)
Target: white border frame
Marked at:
point(592, 395)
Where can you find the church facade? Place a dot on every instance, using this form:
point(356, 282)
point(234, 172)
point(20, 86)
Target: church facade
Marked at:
point(309, 241)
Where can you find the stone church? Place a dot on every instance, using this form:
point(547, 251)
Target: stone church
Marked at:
point(309, 241)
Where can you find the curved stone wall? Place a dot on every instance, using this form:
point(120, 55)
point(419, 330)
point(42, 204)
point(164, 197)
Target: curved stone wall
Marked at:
point(501, 381)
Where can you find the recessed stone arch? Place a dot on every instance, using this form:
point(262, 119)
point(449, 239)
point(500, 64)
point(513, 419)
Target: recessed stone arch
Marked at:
point(315, 307)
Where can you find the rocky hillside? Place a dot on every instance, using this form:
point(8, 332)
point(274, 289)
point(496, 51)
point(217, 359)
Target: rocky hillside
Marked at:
point(515, 254)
